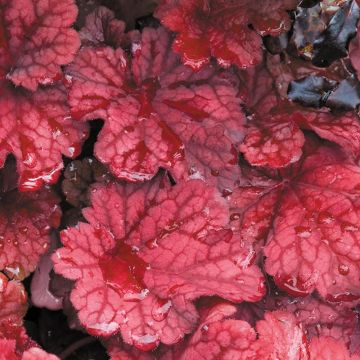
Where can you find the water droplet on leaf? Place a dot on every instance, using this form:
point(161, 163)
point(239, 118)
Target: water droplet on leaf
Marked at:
point(161, 309)
point(145, 342)
point(343, 269)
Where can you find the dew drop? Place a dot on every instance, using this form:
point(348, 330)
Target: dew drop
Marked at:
point(343, 269)
point(346, 226)
point(129, 129)
point(240, 280)
point(325, 217)
point(15, 271)
point(145, 342)
point(234, 216)
point(226, 192)
point(215, 172)
point(136, 296)
point(45, 230)
point(103, 329)
point(161, 309)
point(205, 329)
point(151, 244)
point(28, 151)
point(23, 229)
point(303, 231)
point(174, 290)
point(293, 285)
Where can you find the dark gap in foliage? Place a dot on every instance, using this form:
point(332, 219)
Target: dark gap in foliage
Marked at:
point(50, 330)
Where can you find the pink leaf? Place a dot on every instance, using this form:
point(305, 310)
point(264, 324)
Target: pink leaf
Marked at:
point(327, 348)
point(275, 138)
point(318, 317)
point(13, 300)
point(276, 144)
point(167, 250)
point(158, 112)
point(36, 40)
point(26, 221)
point(220, 337)
point(280, 337)
point(38, 354)
point(37, 129)
point(10, 350)
point(41, 296)
point(220, 28)
point(102, 28)
point(308, 214)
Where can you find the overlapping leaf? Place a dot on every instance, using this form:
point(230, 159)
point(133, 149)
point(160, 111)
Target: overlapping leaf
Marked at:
point(158, 112)
point(36, 39)
point(274, 137)
point(308, 214)
point(147, 253)
point(220, 28)
point(26, 220)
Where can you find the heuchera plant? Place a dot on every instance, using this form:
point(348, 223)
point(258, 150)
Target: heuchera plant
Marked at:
point(179, 180)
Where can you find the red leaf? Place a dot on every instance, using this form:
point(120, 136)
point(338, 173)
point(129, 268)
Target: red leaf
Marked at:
point(25, 224)
point(119, 351)
point(220, 28)
point(219, 337)
point(280, 337)
point(14, 342)
point(343, 129)
point(309, 215)
point(38, 354)
point(147, 253)
point(318, 317)
point(37, 129)
point(36, 40)
point(276, 144)
point(165, 115)
point(102, 28)
point(274, 137)
point(13, 301)
point(327, 348)
point(8, 352)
